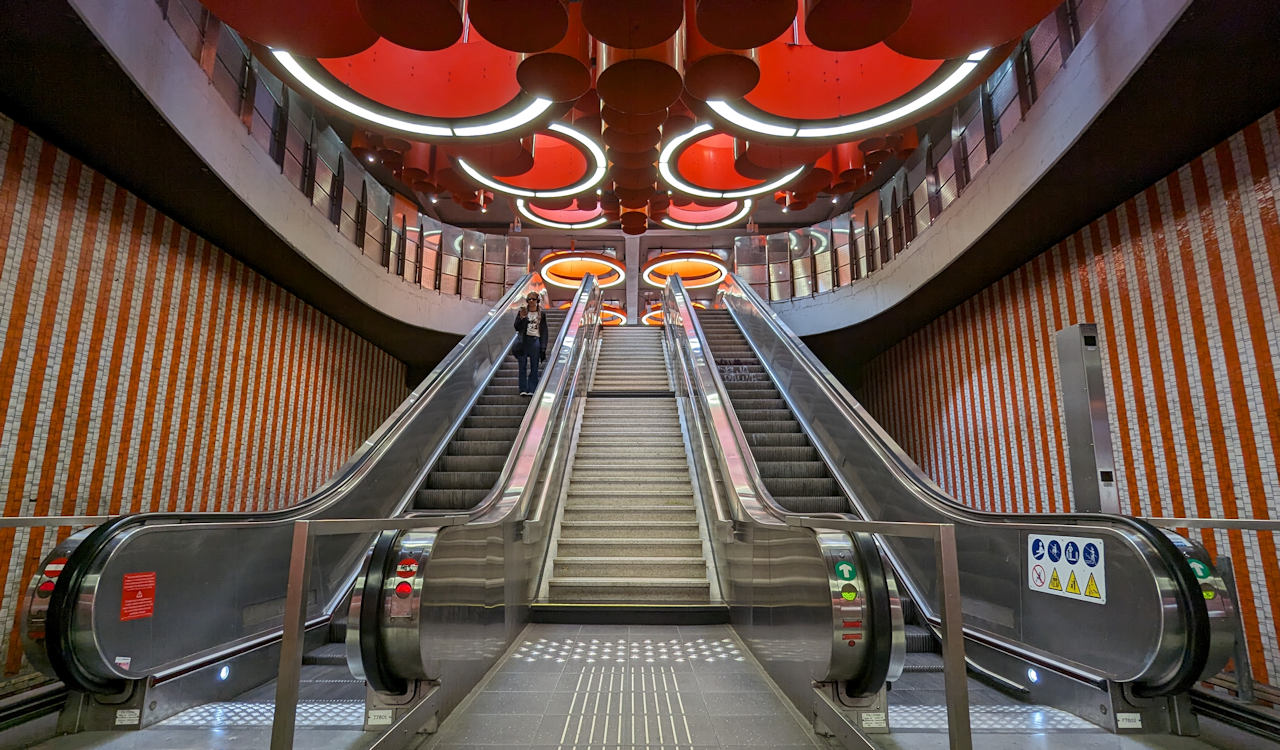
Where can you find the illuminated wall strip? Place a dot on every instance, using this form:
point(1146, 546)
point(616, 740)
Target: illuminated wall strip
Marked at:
point(671, 152)
point(742, 214)
point(419, 125)
point(594, 176)
point(798, 129)
point(528, 213)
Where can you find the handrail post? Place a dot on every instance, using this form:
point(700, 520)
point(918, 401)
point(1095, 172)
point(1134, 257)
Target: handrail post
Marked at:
point(953, 665)
point(288, 682)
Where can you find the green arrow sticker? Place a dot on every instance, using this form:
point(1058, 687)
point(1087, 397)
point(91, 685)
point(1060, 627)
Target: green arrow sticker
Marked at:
point(845, 570)
point(1199, 568)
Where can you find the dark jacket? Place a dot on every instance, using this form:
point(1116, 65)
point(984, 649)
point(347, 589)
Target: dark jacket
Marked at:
point(522, 329)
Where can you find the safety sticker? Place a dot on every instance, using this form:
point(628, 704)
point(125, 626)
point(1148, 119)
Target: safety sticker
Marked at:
point(1074, 567)
point(137, 596)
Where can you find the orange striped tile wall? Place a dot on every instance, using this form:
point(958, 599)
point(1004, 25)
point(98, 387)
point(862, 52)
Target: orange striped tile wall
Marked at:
point(1181, 281)
point(143, 369)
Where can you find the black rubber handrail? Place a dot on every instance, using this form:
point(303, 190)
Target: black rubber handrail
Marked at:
point(876, 672)
point(372, 655)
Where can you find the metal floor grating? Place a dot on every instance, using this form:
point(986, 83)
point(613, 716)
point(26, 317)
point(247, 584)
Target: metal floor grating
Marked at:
point(344, 714)
point(1012, 719)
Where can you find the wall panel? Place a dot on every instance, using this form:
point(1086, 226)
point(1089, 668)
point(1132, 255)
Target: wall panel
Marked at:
point(143, 369)
point(1180, 280)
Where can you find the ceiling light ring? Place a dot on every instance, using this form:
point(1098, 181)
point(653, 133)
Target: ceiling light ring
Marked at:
point(651, 270)
point(528, 213)
point(594, 175)
point(615, 275)
point(517, 117)
point(671, 155)
point(742, 213)
point(745, 118)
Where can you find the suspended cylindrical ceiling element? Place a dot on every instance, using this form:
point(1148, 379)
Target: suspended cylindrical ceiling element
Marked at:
point(632, 24)
point(562, 73)
point(744, 24)
point(711, 71)
point(848, 25)
point(291, 25)
point(520, 25)
point(946, 29)
point(640, 80)
point(420, 168)
point(417, 24)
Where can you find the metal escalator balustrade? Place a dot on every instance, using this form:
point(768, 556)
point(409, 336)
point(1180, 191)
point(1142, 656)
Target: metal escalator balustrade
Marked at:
point(220, 578)
point(1161, 634)
point(477, 451)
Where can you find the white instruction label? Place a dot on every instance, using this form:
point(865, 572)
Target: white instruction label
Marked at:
point(380, 717)
point(128, 717)
point(1128, 721)
point(1070, 566)
point(874, 721)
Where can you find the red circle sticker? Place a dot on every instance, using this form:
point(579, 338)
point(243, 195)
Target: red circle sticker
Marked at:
point(55, 567)
point(407, 567)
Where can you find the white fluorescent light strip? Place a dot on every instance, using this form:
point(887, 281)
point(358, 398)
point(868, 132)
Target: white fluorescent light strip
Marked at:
point(592, 179)
point(648, 275)
point(533, 111)
point(742, 120)
point(669, 174)
point(546, 275)
point(742, 214)
point(527, 213)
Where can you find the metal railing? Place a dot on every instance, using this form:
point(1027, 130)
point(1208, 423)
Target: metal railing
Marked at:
point(884, 223)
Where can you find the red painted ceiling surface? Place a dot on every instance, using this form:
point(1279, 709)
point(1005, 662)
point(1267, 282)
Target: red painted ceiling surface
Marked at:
point(696, 214)
point(467, 79)
point(572, 215)
point(556, 163)
point(708, 162)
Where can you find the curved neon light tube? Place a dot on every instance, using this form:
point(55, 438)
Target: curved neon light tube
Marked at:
point(547, 277)
point(723, 271)
point(527, 213)
point(592, 179)
point(423, 126)
point(605, 312)
point(795, 129)
point(742, 214)
point(669, 175)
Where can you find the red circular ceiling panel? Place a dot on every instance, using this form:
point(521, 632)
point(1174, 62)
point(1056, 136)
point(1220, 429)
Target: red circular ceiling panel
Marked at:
point(468, 79)
point(556, 163)
point(708, 162)
point(698, 214)
point(807, 82)
point(571, 215)
point(311, 28)
point(948, 29)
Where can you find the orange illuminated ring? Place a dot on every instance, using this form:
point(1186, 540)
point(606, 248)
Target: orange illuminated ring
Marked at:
point(695, 269)
point(654, 316)
point(567, 269)
point(610, 315)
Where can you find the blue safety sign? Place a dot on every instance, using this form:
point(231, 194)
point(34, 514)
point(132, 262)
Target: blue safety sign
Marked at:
point(1055, 550)
point(1071, 567)
point(1091, 555)
point(1037, 549)
point(1072, 553)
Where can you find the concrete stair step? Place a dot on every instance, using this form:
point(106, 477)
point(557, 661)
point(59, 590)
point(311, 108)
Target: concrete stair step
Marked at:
point(633, 591)
point(618, 530)
point(630, 501)
point(632, 514)
point(629, 548)
point(631, 567)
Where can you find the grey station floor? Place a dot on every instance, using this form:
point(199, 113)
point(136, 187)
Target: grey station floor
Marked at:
point(591, 687)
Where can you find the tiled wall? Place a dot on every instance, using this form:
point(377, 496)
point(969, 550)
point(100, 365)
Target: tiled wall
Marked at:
point(1181, 281)
point(143, 369)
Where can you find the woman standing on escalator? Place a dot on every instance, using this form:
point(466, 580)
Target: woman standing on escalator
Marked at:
point(531, 343)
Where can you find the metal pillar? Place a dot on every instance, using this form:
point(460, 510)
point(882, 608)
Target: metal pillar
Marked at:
point(1088, 427)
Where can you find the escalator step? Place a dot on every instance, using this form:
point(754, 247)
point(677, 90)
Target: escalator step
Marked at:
point(751, 426)
point(438, 499)
point(792, 469)
point(752, 403)
point(516, 411)
point(792, 439)
point(764, 415)
point(921, 641)
point(471, 463)
point(769, 453)
point(492, 422)
point(812, 504)
point(504, 434)
point(478, 448)
point(461, 480)
point(802, 487)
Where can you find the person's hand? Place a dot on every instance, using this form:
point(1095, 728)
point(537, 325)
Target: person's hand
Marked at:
point(544, 357)
point(522, 314)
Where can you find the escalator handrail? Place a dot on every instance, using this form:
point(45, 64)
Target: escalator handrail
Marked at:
point(1191, 602)
point(63, 599)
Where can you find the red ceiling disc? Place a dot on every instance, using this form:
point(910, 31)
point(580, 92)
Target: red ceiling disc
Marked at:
point(632, 159)
point(563, 72)
point(310, 28)
point(520, 25)
point(640, 80)
point(551, 204)
point(629, 122)
point(631, 141)
point(632, 194)
point(847, 25)
point(633, 179)
point(466, 80)
point(743, 24)
point(504, 158)
point(709, 163)
point(632, 24)
point(417, 24)
point(725, 76)
point(778, 158)
point(945, 29)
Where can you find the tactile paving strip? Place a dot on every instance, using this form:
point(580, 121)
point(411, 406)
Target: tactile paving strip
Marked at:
point(647, 651)
point(1013, 719)
point(244, 714)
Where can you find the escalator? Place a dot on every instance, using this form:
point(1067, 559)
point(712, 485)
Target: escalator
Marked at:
point(818, 454)
point(217, 581)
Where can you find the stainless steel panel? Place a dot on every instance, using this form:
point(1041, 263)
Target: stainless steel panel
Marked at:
point(1087, 426)
point(1146, 630)
point(221, 585)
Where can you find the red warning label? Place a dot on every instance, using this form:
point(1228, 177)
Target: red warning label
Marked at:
point(407, 567)
point(138, 599)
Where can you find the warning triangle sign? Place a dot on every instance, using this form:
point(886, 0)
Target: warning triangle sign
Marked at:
point(1091, 588)
point(1072, 586)
point(1055, 583)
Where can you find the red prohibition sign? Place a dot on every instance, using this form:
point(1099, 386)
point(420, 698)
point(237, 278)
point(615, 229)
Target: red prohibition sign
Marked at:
point(1037, 575)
